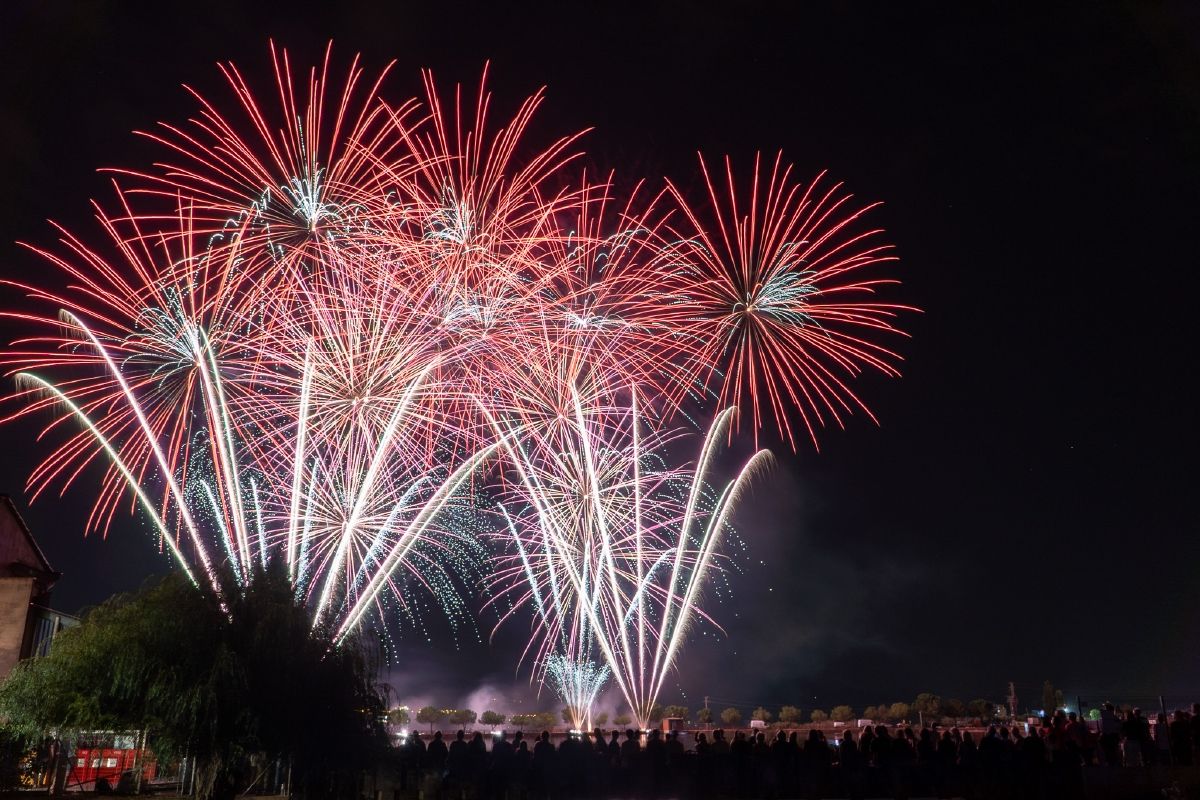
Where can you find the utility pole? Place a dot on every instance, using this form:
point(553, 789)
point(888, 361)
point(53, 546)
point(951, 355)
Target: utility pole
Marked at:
point(1012, 700)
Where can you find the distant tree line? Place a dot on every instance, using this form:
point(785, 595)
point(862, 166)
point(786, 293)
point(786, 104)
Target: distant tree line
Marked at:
point(927, 706)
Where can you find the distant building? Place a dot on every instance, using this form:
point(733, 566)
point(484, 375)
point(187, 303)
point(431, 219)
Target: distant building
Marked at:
point(27, 623)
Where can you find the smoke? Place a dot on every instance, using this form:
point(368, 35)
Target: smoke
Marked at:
point(507, 699)
point(807, 618)
point(428, 675)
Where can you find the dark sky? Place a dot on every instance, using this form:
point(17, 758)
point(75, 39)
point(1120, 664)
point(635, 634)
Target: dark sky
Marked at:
point(1025, 510)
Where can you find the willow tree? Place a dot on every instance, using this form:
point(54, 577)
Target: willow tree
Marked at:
point(216, 679)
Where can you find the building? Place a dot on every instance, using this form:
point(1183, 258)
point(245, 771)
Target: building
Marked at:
point(27, 623)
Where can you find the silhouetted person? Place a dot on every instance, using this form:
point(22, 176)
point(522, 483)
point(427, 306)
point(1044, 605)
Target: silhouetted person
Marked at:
point(866, 744)
point(1077, 737)
point(675, 749)
point(502, 754)
point(436, 753)
point(851, 766)
point(631, 752)
point(947, 749)
point(522, 765)
point(968, 760)
point(678, 772)
point(416, 749)
point(1180, 732)
point(926, 748)
point(721, 771)
point(817, 759)
point(543, 765)
point(780, 765)
point(740, 753)
point(572, 755)
point(655, 760)
point(457, 763)
point(1110, 735)
point(1195, 723)
point(1161, 749)
point(881, 747)
point(598, 761)
point(1132, 738)
point(477, 760)
point(760, 763)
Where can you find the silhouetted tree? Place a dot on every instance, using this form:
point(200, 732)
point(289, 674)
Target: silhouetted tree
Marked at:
point(462, 717)
point(1049, 698)
point(954, 708)
point(731, 717)
point(430, 715)
point(399, 716)
point(842, 714)
point(982, 709)
point(704, 716)
point(761, 713)
point(675, 711)
point(819, 716)
point(928, 705)
point(789, 715)
point(221, 680)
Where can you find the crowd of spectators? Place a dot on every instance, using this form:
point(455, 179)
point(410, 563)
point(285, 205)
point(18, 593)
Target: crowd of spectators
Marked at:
point(875, 761)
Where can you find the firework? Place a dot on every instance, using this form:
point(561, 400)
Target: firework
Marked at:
point(613, 550)
point(143, 310)
point(289, 182)
point(578, 683)
point(344, 522)
point(335, 333)
point(780, 296)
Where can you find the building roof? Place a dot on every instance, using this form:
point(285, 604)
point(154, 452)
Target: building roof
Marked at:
point(19, 551)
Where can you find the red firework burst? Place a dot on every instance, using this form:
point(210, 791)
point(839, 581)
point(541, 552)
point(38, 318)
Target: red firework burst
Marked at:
point(779, 296)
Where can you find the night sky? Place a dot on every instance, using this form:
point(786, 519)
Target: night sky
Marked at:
point(1025, 510)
